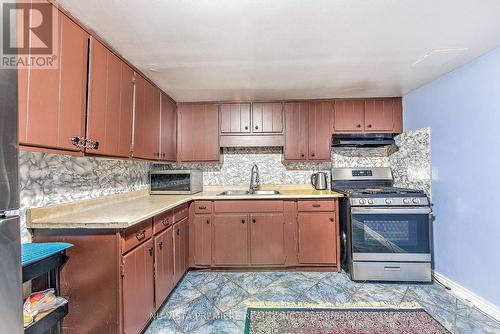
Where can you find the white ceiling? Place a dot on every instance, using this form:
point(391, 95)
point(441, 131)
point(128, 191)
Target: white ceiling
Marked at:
point(202, 50)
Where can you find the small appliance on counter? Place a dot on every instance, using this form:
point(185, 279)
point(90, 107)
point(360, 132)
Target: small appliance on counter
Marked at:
point(319, 181)
point(385, 230)
point(168, 182)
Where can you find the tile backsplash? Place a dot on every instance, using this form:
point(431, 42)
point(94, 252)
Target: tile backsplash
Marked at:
point(47, 179)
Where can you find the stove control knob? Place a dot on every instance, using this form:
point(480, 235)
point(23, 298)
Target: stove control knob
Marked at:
point(388, 201)
point(370, 201)
point(406, 201)
point(361, 201)
point(416, 201)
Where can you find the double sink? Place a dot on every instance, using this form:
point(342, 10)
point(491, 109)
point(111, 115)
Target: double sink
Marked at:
point(247, 192)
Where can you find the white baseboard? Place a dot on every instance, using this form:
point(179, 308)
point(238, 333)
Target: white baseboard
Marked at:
point(468, 296)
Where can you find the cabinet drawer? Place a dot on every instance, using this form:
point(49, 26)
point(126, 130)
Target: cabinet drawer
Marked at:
point(248, 206)
point(162, 221)
point(312, 205)
point(136, 235)
point(202, 207)
point(181, 212)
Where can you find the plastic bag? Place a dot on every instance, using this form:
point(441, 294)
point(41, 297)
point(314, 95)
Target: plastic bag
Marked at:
point(39, 302)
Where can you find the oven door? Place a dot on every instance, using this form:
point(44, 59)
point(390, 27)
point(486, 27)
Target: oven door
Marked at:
point(390, 234)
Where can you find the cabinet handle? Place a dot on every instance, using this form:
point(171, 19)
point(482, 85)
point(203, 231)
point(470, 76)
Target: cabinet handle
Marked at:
point(151, 249)
point(312, 154)
point(332, 219)
point(202, 207)
point(177, 231)
point(246, 127)
point(141, 235)
point(358, 126)
point(160, 244)
point(164, 222)
point(256, 127)
point(163, 155)
point(316, 205)
point(208, 221)
point(243, 221)
point(369, 125)
point(254, 221)
point(302, 155)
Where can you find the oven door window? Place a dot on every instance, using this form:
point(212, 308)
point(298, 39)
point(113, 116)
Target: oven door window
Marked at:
point(170, 182)
point(390, 233)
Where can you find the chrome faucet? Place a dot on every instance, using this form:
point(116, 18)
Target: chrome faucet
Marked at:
point(254, 178)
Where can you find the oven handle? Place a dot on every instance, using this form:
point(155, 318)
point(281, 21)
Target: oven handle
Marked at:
point(392, 210)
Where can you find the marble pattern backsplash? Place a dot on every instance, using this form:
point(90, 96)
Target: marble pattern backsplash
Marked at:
point(47, 179)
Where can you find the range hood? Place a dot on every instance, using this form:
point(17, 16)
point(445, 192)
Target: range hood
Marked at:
point(367, 140)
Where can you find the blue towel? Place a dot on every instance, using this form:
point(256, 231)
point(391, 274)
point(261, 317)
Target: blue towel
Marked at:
point(33, 252)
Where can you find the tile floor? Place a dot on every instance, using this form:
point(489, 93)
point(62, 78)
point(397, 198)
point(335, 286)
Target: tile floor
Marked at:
point(215, 302)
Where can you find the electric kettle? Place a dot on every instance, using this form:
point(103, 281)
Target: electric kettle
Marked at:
point(318, 181)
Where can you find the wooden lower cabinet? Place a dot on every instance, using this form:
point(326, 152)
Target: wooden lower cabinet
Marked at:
point(317, 238)
point(230, 240)
point(267, 239)
point(138, 287)
point(180, 238)
point(164, 265)
point(202, 240)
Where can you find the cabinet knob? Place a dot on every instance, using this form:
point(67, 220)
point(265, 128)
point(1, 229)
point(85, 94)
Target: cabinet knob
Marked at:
point(332, 219)
point(313, 155)
point(208, 221)
point(256, 127)
point(369, 125)
point(358, 126)
point(302, 155)
point(163, 155)
point(254, 221)
point(246, 127)
point(177, 231)
point(243, 221)
point(160, 245)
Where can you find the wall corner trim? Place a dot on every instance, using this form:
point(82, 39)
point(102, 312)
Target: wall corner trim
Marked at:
point(470, 297)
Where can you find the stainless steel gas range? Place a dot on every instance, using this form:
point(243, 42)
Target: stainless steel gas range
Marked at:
point(386, 231)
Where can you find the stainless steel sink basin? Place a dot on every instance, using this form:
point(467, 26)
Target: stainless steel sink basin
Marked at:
point(246, 192)
point(265, 192)
point(234, 193)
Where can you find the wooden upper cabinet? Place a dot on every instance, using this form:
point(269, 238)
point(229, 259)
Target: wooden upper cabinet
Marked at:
point(380, 115)
point(267, 239)
point(296, 131)
point(235, 118)
point(168, 144)
point(52, 101)
point(109, 118)
point(349, 116)
point(319, 143)
point(147, 120)
point(198, 138)
point(267, 117)
point(230, 241)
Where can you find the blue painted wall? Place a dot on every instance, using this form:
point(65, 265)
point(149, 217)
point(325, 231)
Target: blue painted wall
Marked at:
point(462, 108)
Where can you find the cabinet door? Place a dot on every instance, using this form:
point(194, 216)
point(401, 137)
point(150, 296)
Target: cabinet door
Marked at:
point(147, 120)
point(178, 252)
point(235, 118)
point(267, 117)
point(138, 287)
point(198, 132)
point(109, 117)
point(320, 131)
point(349, 116)
point(230, 241)
point(317, 238)
point(296, 131)
point(267, 239)
point(379, 115)
point(168, 129)
point(53, 108)
point(202, 240)
point(164, 265)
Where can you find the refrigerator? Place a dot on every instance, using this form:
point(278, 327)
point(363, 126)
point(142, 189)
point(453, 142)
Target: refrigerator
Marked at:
point(11, 319)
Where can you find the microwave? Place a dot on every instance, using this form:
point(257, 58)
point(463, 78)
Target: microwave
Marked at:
point(176, 182)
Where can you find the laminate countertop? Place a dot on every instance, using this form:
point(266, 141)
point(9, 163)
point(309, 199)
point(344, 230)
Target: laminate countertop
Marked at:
point(125, 210)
